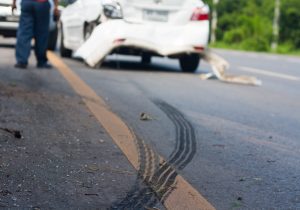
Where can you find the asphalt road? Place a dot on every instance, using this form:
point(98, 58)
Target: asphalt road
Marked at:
point(247, 153)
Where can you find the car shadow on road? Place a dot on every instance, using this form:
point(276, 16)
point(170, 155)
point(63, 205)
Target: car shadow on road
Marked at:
point(155, 66)
point(135, 65)
point(138, 66)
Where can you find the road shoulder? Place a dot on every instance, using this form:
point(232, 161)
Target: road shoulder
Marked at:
point(62, 158)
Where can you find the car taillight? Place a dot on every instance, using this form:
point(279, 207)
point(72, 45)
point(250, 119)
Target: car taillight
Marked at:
point(199, 48)
point(200, 14)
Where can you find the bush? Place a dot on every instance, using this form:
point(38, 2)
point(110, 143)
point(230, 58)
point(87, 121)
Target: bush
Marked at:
point(234, 36)
point(256, 44)
point(286, 47)
point(248, 24)
point(290, 24)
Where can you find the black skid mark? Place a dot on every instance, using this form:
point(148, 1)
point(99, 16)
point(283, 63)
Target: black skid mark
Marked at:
point(155, 184)
point(140, 191)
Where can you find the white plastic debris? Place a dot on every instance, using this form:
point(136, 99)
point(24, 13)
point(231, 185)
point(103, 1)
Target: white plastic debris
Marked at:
point(220, 65)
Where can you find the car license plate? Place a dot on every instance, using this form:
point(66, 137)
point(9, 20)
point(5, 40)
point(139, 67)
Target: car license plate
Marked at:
point(154, 15)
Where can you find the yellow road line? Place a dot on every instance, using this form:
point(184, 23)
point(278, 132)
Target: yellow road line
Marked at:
point(184, 196)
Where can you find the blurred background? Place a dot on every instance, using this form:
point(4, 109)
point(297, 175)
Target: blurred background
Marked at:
point(256, 25)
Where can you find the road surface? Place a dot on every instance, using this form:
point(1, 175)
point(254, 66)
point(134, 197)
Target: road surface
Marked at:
point(238, 146)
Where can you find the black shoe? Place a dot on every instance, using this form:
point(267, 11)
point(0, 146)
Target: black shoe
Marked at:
point(44, 66)
point(21, 65)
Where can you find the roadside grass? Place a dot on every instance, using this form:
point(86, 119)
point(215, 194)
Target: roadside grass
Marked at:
point(283, 49)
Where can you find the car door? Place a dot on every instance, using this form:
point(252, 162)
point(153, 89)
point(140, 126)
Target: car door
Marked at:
point(73, 18)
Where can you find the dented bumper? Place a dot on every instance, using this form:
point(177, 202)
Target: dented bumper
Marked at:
point(161, 39)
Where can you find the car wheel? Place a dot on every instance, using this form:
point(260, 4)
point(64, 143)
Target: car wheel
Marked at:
point(64, 52)
point(189, 63)
point(146, 59)
point(52, 41)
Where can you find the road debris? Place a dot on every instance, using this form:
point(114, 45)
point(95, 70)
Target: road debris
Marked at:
point(145, 117)
point(92, 168)
point(17, 134)
point(242, 179)
point(219, 66)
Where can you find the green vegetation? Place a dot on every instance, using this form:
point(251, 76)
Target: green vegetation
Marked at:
point(248, 25)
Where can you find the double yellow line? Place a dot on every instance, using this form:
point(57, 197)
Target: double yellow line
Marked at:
point(184, 196)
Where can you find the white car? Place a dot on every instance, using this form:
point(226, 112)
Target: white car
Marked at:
point(77, 22)
point(9, 22)
point(173, 28)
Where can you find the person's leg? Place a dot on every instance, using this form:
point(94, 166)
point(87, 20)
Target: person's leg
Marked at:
point(41, 31)
point(25, 33)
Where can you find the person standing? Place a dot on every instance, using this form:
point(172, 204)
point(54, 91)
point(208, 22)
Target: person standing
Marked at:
point(34, 24)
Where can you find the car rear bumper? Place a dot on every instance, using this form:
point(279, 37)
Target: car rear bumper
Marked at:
point(161, 39)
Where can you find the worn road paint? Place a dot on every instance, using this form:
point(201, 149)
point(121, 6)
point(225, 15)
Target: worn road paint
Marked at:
point(183, 196)
point(269, 73)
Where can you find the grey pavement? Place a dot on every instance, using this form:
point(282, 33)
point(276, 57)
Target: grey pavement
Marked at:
point(61, 158)
point(247, 137)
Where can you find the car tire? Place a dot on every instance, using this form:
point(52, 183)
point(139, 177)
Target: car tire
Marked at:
point(146, 59)
point(189, 63)
point(52, 41)
point(64, 52)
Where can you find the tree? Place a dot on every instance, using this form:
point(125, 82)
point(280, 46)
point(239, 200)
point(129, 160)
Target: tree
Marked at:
point(276, 25)
point(290, 24)
point(256, 24)
point(214, 21)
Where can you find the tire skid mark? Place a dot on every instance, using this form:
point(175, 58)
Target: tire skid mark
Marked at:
point(142, 157)
point(142, 196)
point(156, 182)
point(187, 136)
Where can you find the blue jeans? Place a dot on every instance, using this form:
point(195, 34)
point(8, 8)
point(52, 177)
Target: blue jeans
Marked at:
point(34, 23)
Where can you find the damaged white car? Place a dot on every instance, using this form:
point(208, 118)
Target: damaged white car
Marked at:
point(172, 28)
